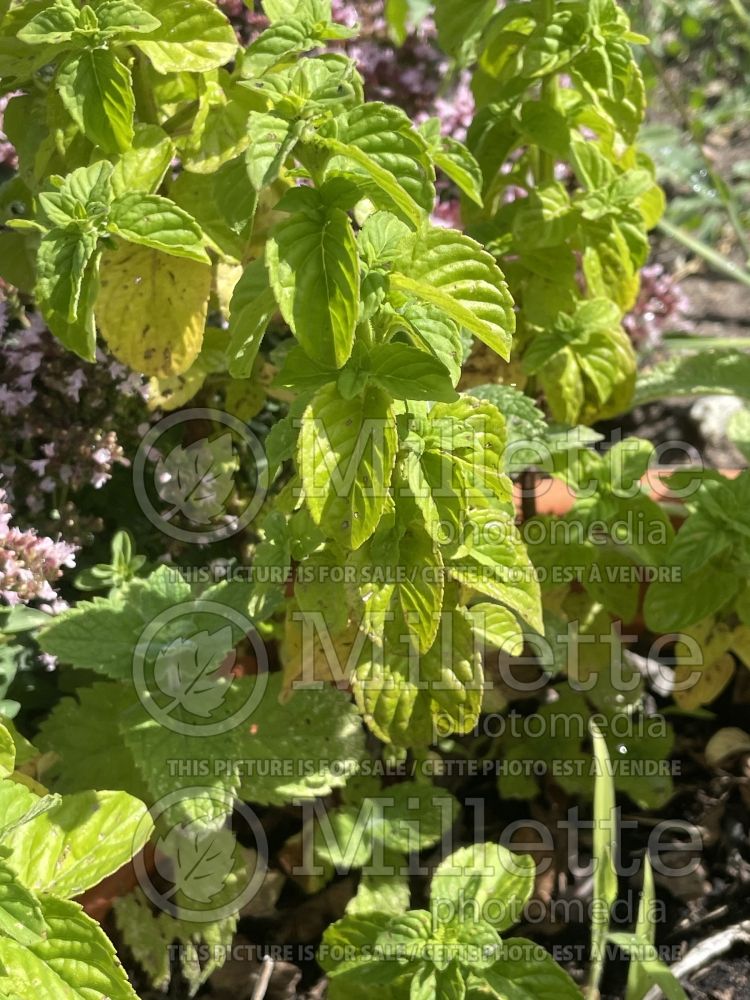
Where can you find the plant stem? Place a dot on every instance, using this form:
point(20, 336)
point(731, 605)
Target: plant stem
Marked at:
point(546, 159)
point(712, 257)
point(740, 11)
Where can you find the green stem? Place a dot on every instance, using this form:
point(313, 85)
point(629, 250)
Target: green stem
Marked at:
point(547, 160)
point(716, 260)
point(740, 11)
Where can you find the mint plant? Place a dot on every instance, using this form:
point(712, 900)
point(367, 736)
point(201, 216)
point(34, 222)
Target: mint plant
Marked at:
point(455, 947)
point(52, 849)
point(261, 248)
point(710, 553)
point(578, 188)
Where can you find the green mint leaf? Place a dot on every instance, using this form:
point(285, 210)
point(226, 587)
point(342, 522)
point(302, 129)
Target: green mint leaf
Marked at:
point(497, 627)
point(195, 39)
point(408, 373)
point(97, 91)
point(76, 844)
point(690, 375)
point(459, 165)
point(125, 19)
point(488, 876)
point(90, 186)
point(494, 562)
point(59, 208)
point(381, 238)
point(220, 133)
point(155, 747)
point(546, 218)
point(377, 142)
point(525, 971)
point(669, 608)
point(414, 816)
point(144, 166)
point(349, 936)
point(286, 729)
point(152, 221)
point(314, 270)
point(85, 193)
point(79, 335)
point(585, 363)
point(314, 10)
point(62, 261)
point(149, 935)
point(79, 731)
point(7, 752)
point(420, 593)
point(278, 46)
point(76, 961)
point(122, 618)
point(472, 432)
point(524, 421)
point(376, 893)
point(20, 913)
point(250, 311)
point(459, 24)
point(302, 374)
point(271, 141)
point(408, 707)
point(347, 450)
point(52, 26)
point(434, 331)
point(546, 127)
point(451, 271)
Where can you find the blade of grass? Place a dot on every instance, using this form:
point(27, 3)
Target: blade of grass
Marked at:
point(712, 257)
point(605, 855)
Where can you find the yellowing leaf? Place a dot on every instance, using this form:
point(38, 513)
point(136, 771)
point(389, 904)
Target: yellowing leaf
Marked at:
point(708, 683)
point(312, 654)
point(151, 309)
point(741, 643)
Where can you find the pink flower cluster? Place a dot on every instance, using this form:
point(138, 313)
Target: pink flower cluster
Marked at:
point(64, 425)
point(661, 306)
point(29, 564)
point(8, 156)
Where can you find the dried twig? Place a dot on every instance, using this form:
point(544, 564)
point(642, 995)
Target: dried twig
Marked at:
point(706, 951)
point(264, 978)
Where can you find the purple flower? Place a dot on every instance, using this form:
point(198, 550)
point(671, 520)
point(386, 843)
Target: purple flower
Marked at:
point(74, 383)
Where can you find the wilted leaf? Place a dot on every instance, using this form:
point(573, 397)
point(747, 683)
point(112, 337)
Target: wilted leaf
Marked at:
point(152, 307)
point(726, 743)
